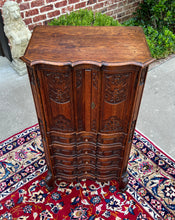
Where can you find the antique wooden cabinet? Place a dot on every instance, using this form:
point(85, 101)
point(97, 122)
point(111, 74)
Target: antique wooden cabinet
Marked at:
point(87, 84)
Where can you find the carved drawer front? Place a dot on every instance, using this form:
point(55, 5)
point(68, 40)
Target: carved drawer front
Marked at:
point(110, 172)
point(112, 139)
point(108, 162)
point(61, 138)
point(106, 151)
point(86, 171)
point(86, 138)
point(61, 150)
point(86, 161)
point(86, 149)
point(62, 171)
point(64, 161)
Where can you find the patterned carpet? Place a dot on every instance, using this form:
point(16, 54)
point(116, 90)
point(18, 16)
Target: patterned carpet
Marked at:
point(23, 195)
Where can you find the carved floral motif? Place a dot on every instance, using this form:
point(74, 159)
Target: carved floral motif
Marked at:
point(116, 87)
point(61, 123)
point(112, 124)
point(59, 86)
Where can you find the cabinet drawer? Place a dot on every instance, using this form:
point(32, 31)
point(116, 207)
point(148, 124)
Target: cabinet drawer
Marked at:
point(86, 161)
point(59, 171)
point(110, 151)
point(85, 171)
point(86, 149)
point(63, 161)
point(108, 172)
point(109, 162)
point(61, 150)
point(112, 139)
point(86, 137)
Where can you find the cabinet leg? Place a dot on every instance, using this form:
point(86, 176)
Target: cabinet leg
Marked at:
point(49, 181)
point(123, 182)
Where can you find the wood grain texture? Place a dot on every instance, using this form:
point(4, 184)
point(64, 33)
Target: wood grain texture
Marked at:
point(87, 84)
point(61, 45)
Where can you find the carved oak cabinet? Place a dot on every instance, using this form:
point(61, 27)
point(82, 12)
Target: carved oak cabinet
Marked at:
point(87, 84)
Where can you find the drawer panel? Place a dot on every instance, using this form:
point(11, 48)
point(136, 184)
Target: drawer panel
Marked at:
point(109, 162)
point(86, 149)
point(110, 151)
point(116, 139)
point(63, 161)
point(61, 150)
point(61, 138)
point(86, 137)
point(108, 171)
point(86, 161)
point(86, 170)
point(64, 171)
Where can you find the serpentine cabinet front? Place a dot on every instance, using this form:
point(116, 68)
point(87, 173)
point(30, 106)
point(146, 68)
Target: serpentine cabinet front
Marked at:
point(87, 116)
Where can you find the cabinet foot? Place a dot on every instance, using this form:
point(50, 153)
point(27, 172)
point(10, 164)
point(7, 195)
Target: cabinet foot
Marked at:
point(49, 181)
point(123, 182)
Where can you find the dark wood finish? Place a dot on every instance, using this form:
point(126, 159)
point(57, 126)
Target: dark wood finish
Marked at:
point(87, 84)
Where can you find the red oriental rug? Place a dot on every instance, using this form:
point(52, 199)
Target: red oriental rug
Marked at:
point(23, 195)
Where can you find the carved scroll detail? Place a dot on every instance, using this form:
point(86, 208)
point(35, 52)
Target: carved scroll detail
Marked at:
point(59, 86)
point(112, 124)
point(116, 87)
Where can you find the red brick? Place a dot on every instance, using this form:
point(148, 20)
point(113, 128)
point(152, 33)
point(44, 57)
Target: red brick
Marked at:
point(31, 26)
point(24, 6)
point(53, 14)
point(61, 4)
point(32, 12)
point(46, 8)
point(90, 2)
point(67, 9)
point(22, 14)
point(112, 7)
point(73, 1)
point(49, 1)
point(37, 3)
point(98, 5)
point(39, 18)
point(80, 5)
point(19, 1)
point(28, 21)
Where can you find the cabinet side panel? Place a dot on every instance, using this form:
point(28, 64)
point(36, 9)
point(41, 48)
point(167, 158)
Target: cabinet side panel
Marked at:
point(40, 114)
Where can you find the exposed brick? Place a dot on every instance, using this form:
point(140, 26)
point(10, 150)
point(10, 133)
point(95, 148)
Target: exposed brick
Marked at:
point(109, 13)
point(22, 14)
point(46, 8)
point(90, 2)
point(73, 1)
point(39, 18)
point(37, 3)
point(24, 6)
point(61, 4)
point(19, 1)
point(112, 7)
point(49, 1)
point(98, 5)
point(28, 21)
point(80, 5)
point(121, 15)
point(67, 9)
point(31, 12)
point(53, 14)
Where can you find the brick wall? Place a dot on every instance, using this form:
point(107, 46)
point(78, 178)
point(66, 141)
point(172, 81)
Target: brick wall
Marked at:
point(37, 12)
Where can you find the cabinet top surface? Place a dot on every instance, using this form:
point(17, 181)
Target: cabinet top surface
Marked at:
point(73, 45)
